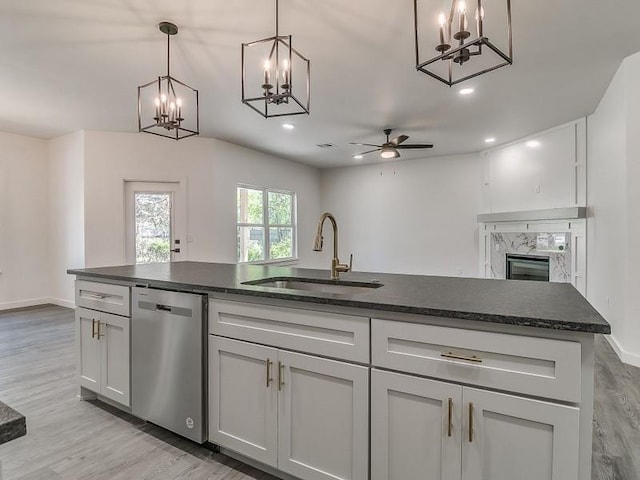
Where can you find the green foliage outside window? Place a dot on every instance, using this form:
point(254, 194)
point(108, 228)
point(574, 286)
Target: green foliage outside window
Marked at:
point(265, 224)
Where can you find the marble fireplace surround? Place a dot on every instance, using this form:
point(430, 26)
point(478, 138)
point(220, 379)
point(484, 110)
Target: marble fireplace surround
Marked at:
point(517, 233)
point(525, 243)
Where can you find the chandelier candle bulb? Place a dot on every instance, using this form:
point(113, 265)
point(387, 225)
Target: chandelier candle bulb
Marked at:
point(479, 19)
point(462, 9)
point(267, 73)
point(285, 72)
point(441, 20)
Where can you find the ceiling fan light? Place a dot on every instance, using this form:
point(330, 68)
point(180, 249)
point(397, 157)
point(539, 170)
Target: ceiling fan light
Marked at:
point(389, 152)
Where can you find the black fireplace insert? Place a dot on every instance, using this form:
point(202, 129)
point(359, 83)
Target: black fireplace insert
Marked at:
point(527, 267)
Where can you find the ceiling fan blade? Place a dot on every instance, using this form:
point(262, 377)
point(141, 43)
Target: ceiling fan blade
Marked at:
point(415, 146)
point(365, 144)
point(370, 151)
point(399, 139)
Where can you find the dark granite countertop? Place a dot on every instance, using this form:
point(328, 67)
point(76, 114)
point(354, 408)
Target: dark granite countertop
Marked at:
point(534, 304)
point(12, 424)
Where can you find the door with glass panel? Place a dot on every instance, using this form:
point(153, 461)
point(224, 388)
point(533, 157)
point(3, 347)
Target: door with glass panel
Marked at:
point(155, 222)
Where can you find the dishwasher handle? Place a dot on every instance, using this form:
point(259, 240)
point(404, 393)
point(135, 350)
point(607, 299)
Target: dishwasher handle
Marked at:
point(164, 308)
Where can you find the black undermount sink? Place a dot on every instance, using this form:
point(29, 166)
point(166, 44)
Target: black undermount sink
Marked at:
point(315, 285)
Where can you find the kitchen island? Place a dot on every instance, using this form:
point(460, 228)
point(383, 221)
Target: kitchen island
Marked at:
point(451, 378)
point(12, 424)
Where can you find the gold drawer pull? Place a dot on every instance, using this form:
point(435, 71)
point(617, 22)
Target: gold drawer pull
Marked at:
point(100, 335)
point(456, 356)
point(450, 415)
point(95, 296)
point(269, 378)
point(280, 375)
point(470, 421)
point(93, 328)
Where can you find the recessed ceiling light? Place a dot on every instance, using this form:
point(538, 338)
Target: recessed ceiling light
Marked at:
point(288, 126)
point(489, 140)
point(467, 91)
point(357, 157)
point(533, 144)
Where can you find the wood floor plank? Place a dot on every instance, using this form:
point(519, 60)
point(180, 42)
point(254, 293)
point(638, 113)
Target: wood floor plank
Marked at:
point(71, 439)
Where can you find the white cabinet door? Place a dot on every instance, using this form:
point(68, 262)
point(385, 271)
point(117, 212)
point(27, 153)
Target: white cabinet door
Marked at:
point(114, 341)
point(243, 398)
point(416, 428)
point(507, 437)
point(88, 349)
point(323, 418)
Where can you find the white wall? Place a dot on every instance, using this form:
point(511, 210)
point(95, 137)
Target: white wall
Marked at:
point(545, 170)
point(66, 213)
point(632, 312)
point(613, 198)
point(413, 216)
point(24, 252)
point(210, 168)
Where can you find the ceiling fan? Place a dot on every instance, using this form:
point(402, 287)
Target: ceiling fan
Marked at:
point(389, 149)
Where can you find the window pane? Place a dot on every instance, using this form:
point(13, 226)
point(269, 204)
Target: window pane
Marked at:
point(280, 208)
point(280, 243)
point(153, 227)
point(250, 244)
point(250, 205)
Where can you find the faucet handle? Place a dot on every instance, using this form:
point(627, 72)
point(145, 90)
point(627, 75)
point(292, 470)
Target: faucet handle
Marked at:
point(350, 262)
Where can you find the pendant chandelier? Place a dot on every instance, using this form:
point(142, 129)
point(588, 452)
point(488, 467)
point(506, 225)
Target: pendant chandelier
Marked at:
point(461, 55)
point(166, 106)
point(268, 67)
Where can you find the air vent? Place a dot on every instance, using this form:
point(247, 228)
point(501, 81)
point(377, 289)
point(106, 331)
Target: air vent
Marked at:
point(326, 145)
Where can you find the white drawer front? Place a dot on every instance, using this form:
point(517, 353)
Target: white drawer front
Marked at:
point(535, 366)
point(103, 296)
point(340, 336)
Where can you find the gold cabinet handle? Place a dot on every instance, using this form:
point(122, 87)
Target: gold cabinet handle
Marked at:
point(95, 296)
point(269, 377)
point(100, 335)
point(280, 375)
point(470, 421)
point(456, 356)
point(450, 427)
point(93, 328)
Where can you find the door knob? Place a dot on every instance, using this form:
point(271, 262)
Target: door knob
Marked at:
point(175, 250)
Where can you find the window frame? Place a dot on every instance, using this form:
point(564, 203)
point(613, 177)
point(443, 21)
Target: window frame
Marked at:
point(266, 225)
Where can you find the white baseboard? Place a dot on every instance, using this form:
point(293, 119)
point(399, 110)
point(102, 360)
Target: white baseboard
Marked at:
point(24, 303)
point(62, 303)
point(624, 356)
point(32, 302)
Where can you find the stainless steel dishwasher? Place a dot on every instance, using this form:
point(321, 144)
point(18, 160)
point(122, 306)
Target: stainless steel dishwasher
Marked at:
point(168, 360)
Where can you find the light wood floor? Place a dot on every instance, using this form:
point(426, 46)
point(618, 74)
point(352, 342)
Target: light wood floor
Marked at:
point(72, 439)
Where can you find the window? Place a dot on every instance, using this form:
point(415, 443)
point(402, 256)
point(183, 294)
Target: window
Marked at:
point(266, 224)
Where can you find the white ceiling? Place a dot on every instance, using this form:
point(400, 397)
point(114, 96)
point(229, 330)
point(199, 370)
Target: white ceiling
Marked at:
point(67, 65)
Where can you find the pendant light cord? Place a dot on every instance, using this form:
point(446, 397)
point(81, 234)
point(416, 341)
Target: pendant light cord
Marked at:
point(168, 51)
point(277, 33)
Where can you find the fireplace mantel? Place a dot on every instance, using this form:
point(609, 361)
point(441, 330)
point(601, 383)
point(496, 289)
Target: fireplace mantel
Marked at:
point(569, 213)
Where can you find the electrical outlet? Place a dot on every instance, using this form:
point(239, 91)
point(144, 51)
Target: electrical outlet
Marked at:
point(537, 188)
point(459, 270)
